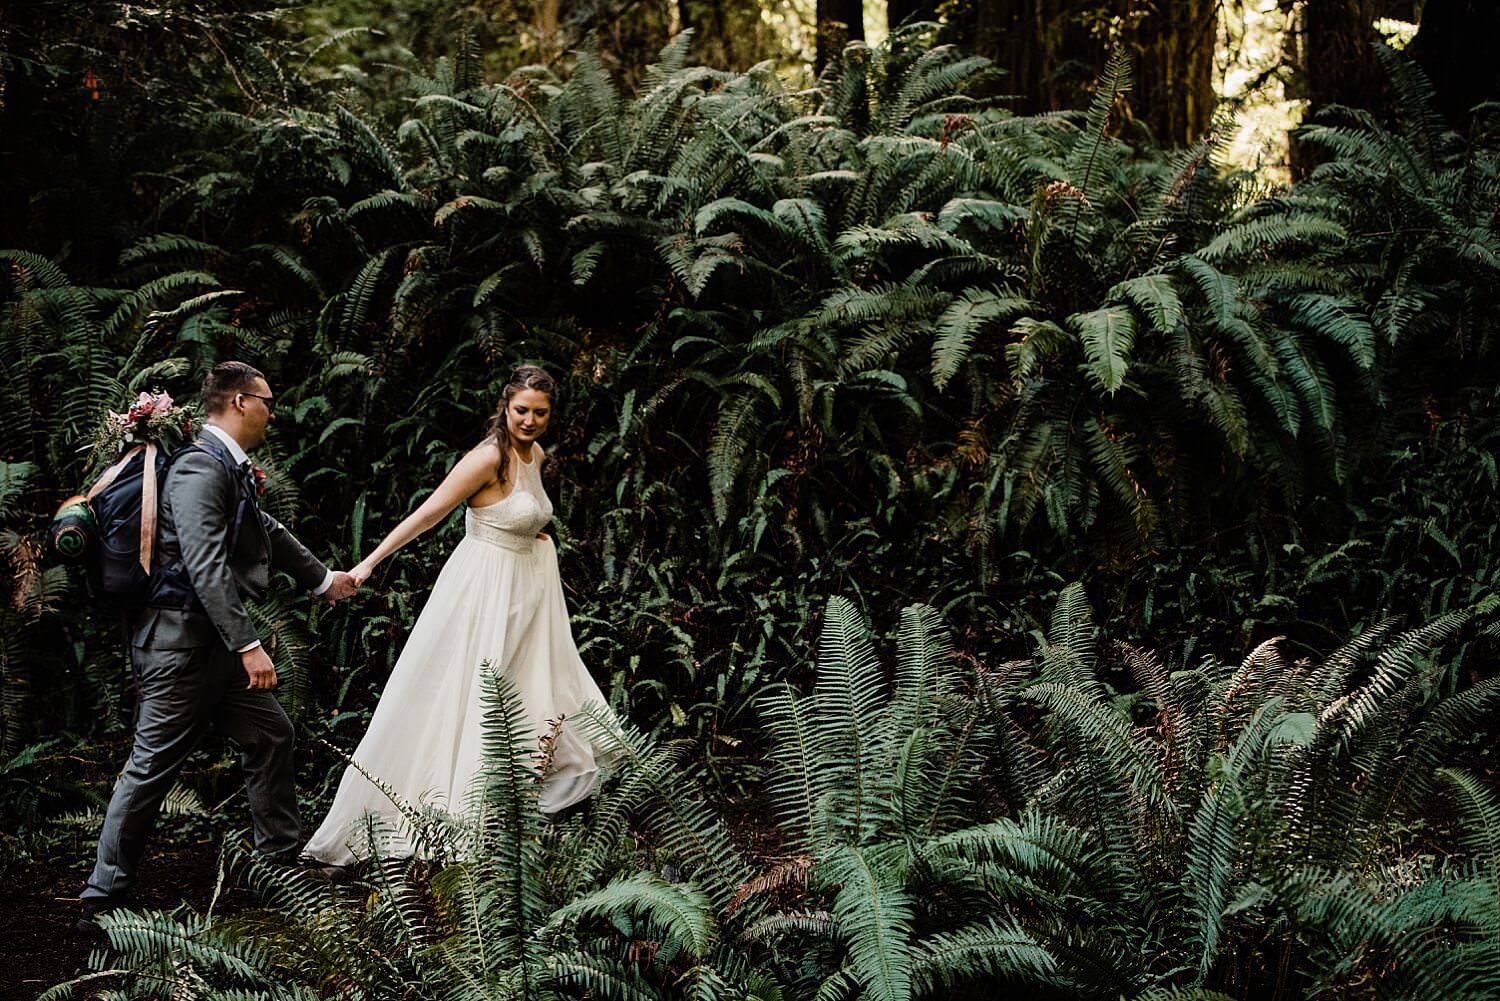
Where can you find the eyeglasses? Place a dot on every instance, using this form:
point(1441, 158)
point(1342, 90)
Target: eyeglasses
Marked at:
point(269, 401)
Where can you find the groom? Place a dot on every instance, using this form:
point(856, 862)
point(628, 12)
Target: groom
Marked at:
point(195, 653)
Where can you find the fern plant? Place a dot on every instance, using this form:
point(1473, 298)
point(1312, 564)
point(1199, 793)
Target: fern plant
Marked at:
point(1242, 797)
point(505, 904)
point(1232, 831)
point(877, 788)
point(1110, 281)
point(1416, 199)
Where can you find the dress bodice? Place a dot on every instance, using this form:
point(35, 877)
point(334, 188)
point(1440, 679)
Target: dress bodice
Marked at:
point(514, 520)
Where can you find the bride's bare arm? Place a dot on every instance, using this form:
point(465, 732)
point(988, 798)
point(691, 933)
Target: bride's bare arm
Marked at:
point(465, 479)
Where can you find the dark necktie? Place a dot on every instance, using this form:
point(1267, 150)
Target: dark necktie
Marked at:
point(247, 480)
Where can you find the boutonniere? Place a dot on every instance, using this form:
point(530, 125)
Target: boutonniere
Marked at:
point(260, 482)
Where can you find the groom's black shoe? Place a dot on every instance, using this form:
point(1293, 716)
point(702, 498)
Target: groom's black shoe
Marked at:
point(87, 924)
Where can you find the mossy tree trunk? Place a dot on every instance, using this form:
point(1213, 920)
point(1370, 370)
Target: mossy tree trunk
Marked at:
point(1172, 52)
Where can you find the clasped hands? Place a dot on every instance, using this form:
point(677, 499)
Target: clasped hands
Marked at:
point(346, 582)
point(257, 662)
point(342, 586)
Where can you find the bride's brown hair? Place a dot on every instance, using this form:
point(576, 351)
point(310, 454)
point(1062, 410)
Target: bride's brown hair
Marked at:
point(525, 377)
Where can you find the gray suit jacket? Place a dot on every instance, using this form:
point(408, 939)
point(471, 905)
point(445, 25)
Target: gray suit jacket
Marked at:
point(195, 523)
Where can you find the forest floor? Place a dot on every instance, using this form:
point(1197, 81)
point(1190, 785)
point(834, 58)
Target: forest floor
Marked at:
point(39, 947)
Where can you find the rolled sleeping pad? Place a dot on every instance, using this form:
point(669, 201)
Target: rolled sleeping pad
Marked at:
point(73, 530)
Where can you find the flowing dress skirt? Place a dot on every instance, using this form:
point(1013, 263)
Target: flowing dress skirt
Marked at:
point(498, 601)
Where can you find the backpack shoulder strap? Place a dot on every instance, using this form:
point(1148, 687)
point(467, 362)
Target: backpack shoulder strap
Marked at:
point(148, 507)
point(148, 496)
point(109, 475)
point(212, 448)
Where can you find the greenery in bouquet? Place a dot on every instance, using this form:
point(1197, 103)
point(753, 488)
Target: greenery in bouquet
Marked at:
point(152, 419)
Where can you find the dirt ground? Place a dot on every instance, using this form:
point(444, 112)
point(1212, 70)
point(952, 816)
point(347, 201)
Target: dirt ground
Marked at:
point(38, 946)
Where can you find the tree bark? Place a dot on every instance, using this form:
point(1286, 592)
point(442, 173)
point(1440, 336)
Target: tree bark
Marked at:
point(1331, 48)
point(1053, 50)
point(1048, 56)
point(1454, 48)
point(545, 29)
point(727, 34)
point(1172, 55)
point(899, 12)
point(839, 22)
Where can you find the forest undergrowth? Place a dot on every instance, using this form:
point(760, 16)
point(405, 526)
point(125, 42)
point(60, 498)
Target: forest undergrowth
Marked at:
point(1022, 555)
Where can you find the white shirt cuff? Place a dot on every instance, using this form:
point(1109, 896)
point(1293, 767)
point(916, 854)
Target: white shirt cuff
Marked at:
point(247, 649)
point(327, 581)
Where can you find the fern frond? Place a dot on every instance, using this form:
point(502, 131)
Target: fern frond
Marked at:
point(1261, 235)
point(846, 728)
point(377, 155)
point(974, 310)
point(678, 909)
point(1335, 318)
point(1480, 834)
point(1216, 841)
point(1155, 296)
point(798, 783)
point(734, 432)
point(1453, 719)
point(875, 920)
point(989, 952)
point(1107, 336)
point(33, 271)
point(1072, 636)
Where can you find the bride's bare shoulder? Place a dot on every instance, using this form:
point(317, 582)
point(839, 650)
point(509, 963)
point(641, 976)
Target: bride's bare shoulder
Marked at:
point(481, 459)
point(489, 448)
point(481, 474)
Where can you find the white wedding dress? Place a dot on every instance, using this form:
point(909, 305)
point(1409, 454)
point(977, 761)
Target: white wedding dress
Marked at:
point(498, 600)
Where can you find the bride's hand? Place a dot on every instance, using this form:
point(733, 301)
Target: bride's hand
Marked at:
point(361, 572)
point(543, 536)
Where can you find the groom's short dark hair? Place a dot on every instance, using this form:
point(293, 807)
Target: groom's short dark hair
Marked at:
point(223, 381)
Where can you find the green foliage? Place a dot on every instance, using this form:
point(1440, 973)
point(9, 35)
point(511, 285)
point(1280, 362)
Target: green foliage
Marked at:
point(879, 337)
point(1169, 841)
point(1159, 846)
point(1414, 198)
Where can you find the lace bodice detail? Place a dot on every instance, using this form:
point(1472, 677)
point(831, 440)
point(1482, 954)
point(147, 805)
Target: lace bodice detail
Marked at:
point(514, 520)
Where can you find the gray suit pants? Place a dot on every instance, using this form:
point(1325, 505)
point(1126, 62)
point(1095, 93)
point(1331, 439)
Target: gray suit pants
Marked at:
point(182, 694)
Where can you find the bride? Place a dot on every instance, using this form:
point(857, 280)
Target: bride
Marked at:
point(498, 600)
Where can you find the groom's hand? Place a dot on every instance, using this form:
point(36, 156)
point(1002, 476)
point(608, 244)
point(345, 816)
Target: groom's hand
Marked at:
point(343, 586)
point(259, 667)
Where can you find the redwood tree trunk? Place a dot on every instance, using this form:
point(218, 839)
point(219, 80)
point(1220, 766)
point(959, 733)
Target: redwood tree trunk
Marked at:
point(1052, 53)
point(839, 22)
point(1455, 48)
point(1331, 49)
point(1048, 56)
point(1172, 55)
